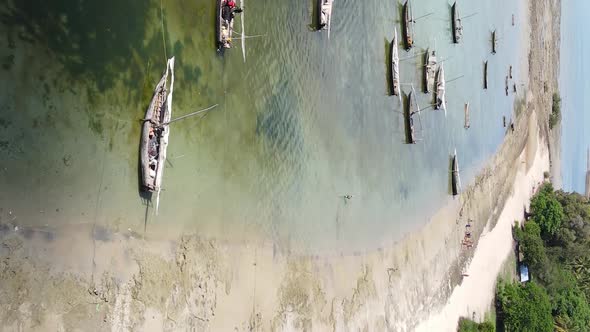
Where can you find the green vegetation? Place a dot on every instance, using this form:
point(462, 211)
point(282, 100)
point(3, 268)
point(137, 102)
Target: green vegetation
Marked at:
point(546, 210)
point(555, 243)
point(524, 308)
point(555, 110)
point(467, 325)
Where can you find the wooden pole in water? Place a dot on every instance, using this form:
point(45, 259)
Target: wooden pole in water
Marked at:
point(190, 114)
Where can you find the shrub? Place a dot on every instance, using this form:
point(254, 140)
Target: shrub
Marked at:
point(467, 325)
point(555, 110)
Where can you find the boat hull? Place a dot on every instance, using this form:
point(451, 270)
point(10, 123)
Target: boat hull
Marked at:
point(454, 18)
point(394, 67)
point(154, 134)
point(455, 176)
point(485, 75)
point(407, 26)
point(408, 122)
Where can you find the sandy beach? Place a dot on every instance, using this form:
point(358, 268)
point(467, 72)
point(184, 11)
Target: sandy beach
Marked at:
point(122, 280)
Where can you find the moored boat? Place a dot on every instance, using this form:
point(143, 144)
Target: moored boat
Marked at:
point(494, 42)
point(394, 70)
point(440, 101)
point(408, 120)
point(155, 132)
point(429, 70)
point(457, 25)
point(408, 25)
point(324, 14)
point(485, 75)
point(224, 26)
point(455, 179)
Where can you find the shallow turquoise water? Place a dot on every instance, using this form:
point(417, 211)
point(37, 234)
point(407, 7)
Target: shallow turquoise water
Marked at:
point(304, 120)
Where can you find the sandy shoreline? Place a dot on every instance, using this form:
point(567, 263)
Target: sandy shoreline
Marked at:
point(112, 279)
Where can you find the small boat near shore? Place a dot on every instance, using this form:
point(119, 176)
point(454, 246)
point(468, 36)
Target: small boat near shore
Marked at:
point(408, 25)
point(485, 75)
point(429, 70)
point(455, 178)
point(440, 101)
point(155, 133)
point(457, 25)
point(324, 14)
point(394, 69)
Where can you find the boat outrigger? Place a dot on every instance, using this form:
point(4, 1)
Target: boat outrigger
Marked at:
point(324, 14)
point(429, 70)
point(394, 70)
point(224, 23)
point(408, 26)
point(457, 25)
point(455, 179)
point(155, 132)
point(440, 101)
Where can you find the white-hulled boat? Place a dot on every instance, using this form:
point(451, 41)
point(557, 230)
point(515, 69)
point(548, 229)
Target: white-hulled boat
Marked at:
point(440, 100)
point(155, 133)
point(395, 81)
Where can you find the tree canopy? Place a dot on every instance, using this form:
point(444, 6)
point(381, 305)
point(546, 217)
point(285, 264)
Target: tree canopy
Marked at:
point(546, 209)
point(525, 308)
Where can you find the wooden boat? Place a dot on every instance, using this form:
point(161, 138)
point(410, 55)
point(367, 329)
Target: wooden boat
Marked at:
point(394, 70)
point(408, 25)
point(223, 29)
point(485, 75)
point(155, 132)
point(324, 14)
point(494, 42)
point(440, 101)
point(457, 25)
point(506, 83)
point(466, 110)
point(408, 121)
point(455, 179)
point(429, 70)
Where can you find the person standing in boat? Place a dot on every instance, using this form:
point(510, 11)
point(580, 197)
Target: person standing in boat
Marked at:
point(229, 11)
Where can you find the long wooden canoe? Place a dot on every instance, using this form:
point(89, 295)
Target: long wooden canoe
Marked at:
point(155, 132)
point(494, 42)
point(429, 70)
point(394, 69)
point(457, 25)
point(455, 179)
point(485, 75)
point(408, 25)
point(440, 100)
point(408, 121)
